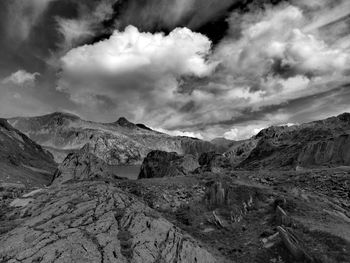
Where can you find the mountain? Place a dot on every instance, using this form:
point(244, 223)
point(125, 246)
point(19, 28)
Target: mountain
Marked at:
point(22, 160)
point(319, 143)
point(120, 142)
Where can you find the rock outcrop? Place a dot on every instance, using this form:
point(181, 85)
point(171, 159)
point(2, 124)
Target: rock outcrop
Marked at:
point(333, 151)
point(96, 222)
point(22, 160)
point(120, 142)
point(81, 165)
point(167, 164)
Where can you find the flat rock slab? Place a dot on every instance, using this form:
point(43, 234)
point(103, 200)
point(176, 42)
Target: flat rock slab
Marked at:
point(21, 202)
point(96, 222)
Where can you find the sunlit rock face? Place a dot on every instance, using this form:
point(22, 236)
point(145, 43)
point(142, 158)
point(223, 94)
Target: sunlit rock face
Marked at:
point(22, 160)
point(120, 142)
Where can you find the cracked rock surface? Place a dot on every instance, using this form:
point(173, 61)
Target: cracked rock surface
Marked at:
point(95, 222)
point(81, 165)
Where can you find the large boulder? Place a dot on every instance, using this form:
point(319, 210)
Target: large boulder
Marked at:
point(81, 165)
point(167, 164)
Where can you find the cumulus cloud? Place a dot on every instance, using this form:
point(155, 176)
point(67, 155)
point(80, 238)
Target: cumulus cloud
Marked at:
point(21, 78)
point(277, 44)
point(182, 52)
point(138, 71)
point(270, 58)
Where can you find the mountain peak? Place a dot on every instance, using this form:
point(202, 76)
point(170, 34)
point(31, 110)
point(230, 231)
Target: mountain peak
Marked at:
point(122, 121)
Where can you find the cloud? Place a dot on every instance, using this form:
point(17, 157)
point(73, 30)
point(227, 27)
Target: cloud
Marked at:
point(86, 25)
point(269, 61)
point(21, 78)
point(168, 14)
point(22, 16)
point(276, 44)
point(242, 133)
point(139, 72)
point(180, 133)
point(181, 52)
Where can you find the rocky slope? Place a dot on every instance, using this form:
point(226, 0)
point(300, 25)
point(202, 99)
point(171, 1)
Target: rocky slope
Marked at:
point(315, 144)
point(120, 142)
point(95, 222)
point(22, 160)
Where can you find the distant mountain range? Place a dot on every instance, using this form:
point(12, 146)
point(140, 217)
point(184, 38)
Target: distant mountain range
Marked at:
point(120, 142)
point(32, 147)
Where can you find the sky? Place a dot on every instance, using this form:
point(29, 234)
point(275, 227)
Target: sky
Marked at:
point(201, 68)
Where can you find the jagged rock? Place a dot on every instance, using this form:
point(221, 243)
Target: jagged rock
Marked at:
point(293, 245)
point(96, 222)
point(282, 219)
point(165, 164)
point(81, 165)
point(216, 194)
point(235, 201)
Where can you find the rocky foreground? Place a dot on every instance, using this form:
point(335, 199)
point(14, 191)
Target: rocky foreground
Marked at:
point(183, 208)
point(95, 222)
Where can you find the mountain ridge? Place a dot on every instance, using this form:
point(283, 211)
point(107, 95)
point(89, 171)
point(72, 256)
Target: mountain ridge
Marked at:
point(120, 142)
point(318, 143)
